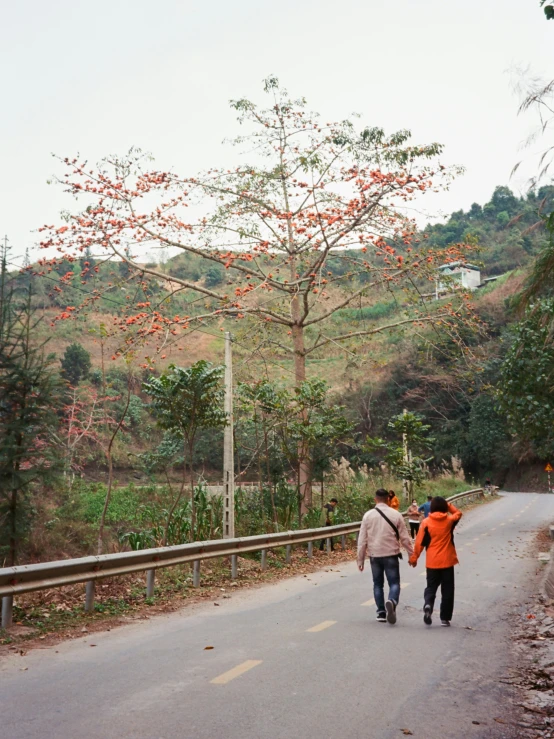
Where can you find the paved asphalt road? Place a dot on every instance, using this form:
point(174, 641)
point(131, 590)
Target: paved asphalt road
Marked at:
point(304, 659)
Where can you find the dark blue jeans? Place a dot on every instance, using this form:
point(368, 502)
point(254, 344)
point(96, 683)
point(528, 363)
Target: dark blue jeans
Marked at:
point(381, 566)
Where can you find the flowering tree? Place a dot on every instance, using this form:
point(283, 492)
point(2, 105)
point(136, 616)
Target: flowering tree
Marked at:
point(310, 223)
point(79, 424)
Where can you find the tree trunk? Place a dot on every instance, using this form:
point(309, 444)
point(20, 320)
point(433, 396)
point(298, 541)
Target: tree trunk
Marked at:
point(109, 453)
point(175, 502)
point(259, 456)
point(107, 499)
point(269, 480)
point(192, 501)
point(12, 558)
point(304, 476)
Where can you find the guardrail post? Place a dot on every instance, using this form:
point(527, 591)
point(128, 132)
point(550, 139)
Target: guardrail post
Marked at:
point(196, 573)
point(150, 580)
point(328, 543)
point(89, 596)
point(7, 611)
point(343, 542)
point(310, 549)
point(288, 552)
point(264, 559)
point(234, 566)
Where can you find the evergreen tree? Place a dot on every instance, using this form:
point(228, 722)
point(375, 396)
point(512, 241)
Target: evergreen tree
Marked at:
point(29, 397)
point(75, 364)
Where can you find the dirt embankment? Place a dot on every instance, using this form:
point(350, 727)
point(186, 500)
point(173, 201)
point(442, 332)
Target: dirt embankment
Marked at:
point(526, 478)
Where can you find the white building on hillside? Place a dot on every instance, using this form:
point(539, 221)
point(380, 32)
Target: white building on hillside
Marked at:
point(466, 275)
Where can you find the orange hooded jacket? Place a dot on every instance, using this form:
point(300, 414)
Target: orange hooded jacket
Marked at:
point(394, 503)
point(436, 535)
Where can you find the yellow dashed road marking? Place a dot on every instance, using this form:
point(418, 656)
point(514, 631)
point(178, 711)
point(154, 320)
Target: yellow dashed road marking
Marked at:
point(370, 602)
point(236, 672)
point(323, 625)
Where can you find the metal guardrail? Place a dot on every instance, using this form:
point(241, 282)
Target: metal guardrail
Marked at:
point(29, 578)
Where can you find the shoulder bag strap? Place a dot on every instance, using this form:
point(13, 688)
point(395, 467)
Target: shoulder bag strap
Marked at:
point(390, 523)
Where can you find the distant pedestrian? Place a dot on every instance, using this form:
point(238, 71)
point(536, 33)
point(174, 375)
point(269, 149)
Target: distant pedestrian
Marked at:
point(327, 518)
point(381, 533)
point(488, 485)
point(436, 535)
point(414, 517)
point(393, 500)
point(426, 507)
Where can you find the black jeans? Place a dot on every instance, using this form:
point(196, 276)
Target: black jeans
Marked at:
point(445, 578)
point(322, 544)
point(414, 528)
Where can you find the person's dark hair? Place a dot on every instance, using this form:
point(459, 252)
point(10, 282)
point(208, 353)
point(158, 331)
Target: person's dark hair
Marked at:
point(333, 500)
point(382, 493)
point(414, 501)
point(391, 493)
point(439, 505)
point(429, 497)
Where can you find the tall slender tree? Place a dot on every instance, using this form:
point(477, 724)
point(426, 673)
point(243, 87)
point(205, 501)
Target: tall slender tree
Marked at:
point(313, 221)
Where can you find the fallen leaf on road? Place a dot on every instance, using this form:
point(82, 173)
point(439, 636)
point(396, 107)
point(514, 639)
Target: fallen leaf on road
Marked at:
point(407, 732)
point(207, 648)
point(216, 604)
point(93, 645)
point(500, 720)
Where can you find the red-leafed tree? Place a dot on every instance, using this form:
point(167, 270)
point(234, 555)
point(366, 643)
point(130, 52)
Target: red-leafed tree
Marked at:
point(313, 221)
point(79, 425)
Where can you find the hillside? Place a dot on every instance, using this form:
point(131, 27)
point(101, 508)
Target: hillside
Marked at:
point(507, 229)
point(397, 369)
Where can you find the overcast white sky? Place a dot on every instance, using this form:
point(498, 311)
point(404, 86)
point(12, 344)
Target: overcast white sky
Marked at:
point(98, 77)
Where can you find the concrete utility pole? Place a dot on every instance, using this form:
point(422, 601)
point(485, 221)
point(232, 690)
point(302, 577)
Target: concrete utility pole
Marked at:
point(228, 449)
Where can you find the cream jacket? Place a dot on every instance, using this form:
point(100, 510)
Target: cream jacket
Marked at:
point(377, 537)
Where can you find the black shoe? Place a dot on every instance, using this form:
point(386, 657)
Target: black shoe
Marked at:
point(427, 615)
point(382, 617)
point(390, 607)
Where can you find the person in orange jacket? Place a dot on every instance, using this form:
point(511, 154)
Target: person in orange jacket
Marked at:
point(393, 500)
point(436, 535)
